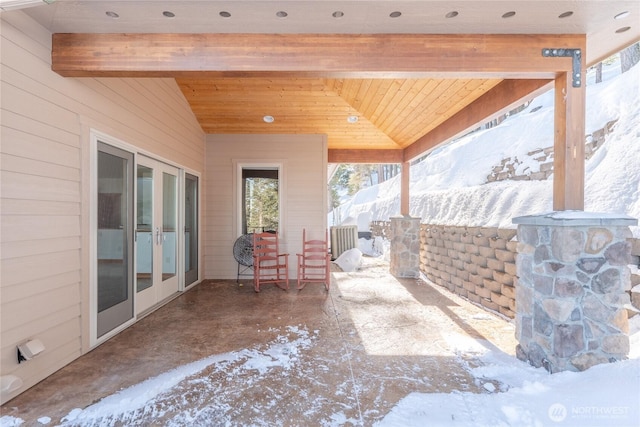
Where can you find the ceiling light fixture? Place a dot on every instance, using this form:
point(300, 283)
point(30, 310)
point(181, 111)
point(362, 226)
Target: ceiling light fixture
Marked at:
point(509, 14)
point(395, 14)
point(111, 14)
point(452, 14)
point(622, 15)
point(225, 14)
point(622, 30)
point(281, 14)
point(268, 119)
point(169, 14)
point(352, 119)
point(565, 14)
point(21, 4)
point(338, 14)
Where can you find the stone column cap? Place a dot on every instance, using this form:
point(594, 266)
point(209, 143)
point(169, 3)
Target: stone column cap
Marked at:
point(571, 218)
point(405, 217)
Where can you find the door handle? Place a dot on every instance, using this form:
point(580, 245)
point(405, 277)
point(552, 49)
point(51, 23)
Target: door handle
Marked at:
point(158, 236)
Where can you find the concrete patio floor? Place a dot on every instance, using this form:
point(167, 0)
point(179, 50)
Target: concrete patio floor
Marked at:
point(359, 349)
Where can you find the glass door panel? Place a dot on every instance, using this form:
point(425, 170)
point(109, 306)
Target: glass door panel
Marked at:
point(157, 215)
point(114, 239)
point(144, 229)
point(168, 248)
point(190, 229)
point(169, 225)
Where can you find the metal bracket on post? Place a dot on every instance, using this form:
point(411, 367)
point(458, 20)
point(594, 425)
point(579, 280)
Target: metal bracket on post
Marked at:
point(576, 54)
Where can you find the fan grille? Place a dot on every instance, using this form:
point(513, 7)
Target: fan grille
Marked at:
point(243, 250)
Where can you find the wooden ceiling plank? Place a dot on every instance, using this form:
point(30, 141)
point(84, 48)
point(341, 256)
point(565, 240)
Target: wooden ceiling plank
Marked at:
point(396, 110)
point(482, 87)
point(336, 84)
point(420, 118)
point(389, 95)
point(382, 55)
point(439, 93)
point(376, 92)
point(352, 86)
point(362, 94)
point(414, 116)
point(499, 99)
point(447, 110)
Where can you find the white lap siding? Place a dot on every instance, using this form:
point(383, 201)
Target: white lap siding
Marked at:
point(44, 147)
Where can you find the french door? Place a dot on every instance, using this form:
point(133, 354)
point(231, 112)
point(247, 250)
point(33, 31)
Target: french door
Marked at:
point(190, 229)
point(114, 238)
point(156, 234)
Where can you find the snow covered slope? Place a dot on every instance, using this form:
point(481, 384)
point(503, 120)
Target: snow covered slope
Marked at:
point(449, 187)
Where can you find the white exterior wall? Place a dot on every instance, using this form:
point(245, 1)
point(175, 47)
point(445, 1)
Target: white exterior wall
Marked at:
point(304, 159)
point(44, 146)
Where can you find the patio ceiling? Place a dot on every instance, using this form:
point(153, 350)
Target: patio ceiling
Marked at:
point(312, 89)
point(390, 113)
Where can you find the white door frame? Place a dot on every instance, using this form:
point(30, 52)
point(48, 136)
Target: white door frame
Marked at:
point(96, 136)
point(161, 289)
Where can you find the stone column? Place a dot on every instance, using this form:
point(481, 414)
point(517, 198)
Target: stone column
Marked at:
point(405, 246)
point(570, 294)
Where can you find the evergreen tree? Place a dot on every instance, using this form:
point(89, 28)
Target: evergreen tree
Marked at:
point(262, 204)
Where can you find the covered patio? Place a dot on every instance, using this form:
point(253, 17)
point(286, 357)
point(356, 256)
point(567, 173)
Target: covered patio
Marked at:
point(189, 94)
point(344, 357)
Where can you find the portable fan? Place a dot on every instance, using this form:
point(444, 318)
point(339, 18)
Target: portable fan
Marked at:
point(243, 253)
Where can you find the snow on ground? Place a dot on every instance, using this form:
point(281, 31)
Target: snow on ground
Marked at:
point(521, 395)
point(155, 397)
point(517, 394)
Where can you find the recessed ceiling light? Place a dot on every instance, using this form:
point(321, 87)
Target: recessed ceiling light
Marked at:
point(352, 119)
point(281, 14)
point(395, 14)
point(509, 14)
point(622, 30)
point(169, 14)
point(565, 14)
point(622, 15)
point(225, 14)
point(113, 15)
point(338, 14)
point(451, 14)
point(268, 119)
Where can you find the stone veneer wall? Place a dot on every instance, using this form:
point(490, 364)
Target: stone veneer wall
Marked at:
point(477, 263)
point(571, 297)
point(451, 257)
point(405, 247)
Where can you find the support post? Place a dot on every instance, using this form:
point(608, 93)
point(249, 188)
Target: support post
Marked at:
point(405, 247)
point(568, 164)
point(404, 188)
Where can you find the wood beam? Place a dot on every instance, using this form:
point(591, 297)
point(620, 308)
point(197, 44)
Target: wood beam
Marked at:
point(364, 156)
point(568, 161)
point(502, 98)
point(339, 55)
point(405, 194)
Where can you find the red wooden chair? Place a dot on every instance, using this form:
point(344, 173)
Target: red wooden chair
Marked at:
point(314, 261)
point(269, 265)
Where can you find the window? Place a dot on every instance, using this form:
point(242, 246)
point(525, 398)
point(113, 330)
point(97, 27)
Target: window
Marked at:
point(260, 199)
